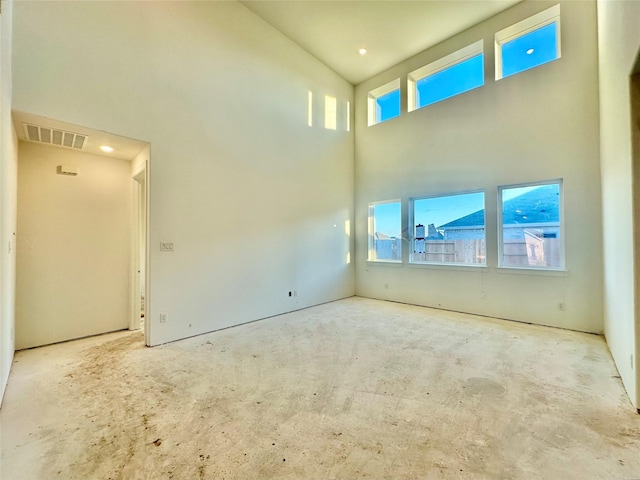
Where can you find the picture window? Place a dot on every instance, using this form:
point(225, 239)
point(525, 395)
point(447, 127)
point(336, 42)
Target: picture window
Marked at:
point(530, 228)
point(449, 229)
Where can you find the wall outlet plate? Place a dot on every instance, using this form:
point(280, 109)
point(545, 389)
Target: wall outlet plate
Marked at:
point(166, 246)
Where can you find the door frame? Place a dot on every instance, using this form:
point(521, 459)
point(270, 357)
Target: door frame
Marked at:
point(634, 92)
point(140, 238)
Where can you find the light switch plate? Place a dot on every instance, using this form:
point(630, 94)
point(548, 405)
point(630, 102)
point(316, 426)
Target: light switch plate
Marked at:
point(166, 246)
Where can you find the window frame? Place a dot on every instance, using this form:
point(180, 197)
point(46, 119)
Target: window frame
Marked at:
point(563, 264)
point(375, 94)
point(523, 27)
point(437, 66)
point(412, 225)
point(371, 233)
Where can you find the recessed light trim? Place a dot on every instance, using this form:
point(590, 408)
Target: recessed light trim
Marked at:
point(362, 51)
point(106, 148)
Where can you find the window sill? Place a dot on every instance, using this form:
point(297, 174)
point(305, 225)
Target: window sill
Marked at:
point(556, 272)
point(385, 263)
point(448, 266)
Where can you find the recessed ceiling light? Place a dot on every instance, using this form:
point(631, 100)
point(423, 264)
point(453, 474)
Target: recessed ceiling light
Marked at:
point(106, 148)
point(530, 51)
point(362, 51)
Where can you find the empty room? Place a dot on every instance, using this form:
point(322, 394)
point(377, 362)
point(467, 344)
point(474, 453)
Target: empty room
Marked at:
point(319, 239)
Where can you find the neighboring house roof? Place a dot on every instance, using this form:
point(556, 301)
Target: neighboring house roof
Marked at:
point(383, 236)
point(539, 205)
point(433, 233)
point(475, 219)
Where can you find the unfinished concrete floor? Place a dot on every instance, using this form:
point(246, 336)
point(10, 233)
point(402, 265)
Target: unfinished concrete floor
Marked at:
point(352, 389)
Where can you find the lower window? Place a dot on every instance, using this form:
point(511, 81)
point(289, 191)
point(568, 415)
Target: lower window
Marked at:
point(385, 226)
point(449, 229)
point(531, 230)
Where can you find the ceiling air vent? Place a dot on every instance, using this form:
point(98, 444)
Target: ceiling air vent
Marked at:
point(54, 136)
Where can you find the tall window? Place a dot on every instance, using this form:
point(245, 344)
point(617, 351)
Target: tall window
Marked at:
point(452, 75)
point(531, 229)
point(385, 226)
point(384, 102)
point(449, 229)
point(529, 43)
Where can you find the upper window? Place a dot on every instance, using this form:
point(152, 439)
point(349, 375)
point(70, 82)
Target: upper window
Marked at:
point(452, 75)
point(531, 228)
point(449, 229)
point(384, 102)
point(385, 225)
point(529, 43)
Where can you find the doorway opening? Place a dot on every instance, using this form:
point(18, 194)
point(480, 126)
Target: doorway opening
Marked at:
point(82, 242)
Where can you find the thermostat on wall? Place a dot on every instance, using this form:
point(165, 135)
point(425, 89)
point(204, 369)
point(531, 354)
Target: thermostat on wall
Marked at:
point(67, 170)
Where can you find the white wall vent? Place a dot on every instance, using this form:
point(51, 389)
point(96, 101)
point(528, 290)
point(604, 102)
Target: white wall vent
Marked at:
point(54, 136)
point(66, 170)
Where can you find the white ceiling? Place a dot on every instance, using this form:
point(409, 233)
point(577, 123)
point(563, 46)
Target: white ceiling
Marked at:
point(123, 148)
point(391, 30)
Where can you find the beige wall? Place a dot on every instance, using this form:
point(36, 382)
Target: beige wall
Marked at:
point(233, 160)
point(538, 125)
point(8, 180)
point(619, 44)
point(73, 245)
point(254, 201)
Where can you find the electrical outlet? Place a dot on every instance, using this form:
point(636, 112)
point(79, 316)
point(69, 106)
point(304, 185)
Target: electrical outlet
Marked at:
point(163, 318)
point(562, 306)
point(295, 293)
point(166, 246)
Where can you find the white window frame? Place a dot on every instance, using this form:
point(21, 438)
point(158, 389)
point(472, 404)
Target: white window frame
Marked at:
point(501, 264)
point(528, 25)
point(371, 257)
point(412, 226)
point(372, 97)
point(459, 56)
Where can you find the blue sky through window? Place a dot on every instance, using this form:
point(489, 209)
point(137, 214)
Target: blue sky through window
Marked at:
point(441, 210)
point(509, 193)
point(388, 106)
point(457, 79)
point(437, 210)
point(387, 219)
point(530, 50)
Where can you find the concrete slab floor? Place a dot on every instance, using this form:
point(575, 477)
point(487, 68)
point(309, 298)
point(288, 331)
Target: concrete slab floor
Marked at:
point(352, 389)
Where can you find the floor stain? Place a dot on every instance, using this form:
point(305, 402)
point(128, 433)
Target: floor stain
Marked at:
point(298, 403)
